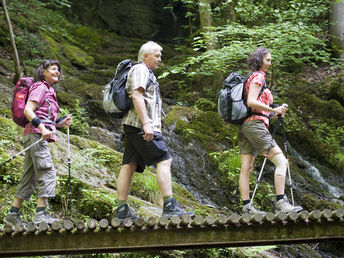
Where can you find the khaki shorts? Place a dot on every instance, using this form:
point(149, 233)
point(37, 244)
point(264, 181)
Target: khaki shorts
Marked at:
point(39, 170)
point(254, 138)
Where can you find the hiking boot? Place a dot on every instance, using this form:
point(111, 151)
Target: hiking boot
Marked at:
point(283, 205)
point(43, 216)
point(250, 209)
point(172, 207)
point(124, 212)
point(12, 218)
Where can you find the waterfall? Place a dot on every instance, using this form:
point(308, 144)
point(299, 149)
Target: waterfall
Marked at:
point(315, 172)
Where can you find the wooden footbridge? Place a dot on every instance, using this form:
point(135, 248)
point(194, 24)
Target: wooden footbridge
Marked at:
point(67, 237)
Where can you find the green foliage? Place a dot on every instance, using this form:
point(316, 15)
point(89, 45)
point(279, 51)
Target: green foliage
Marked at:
point(10, 172)
point(291, 46)
point(101, 154)
point(145, 186)
point(205, 104)
point(57, 3)
point(228, 163)
point(79, 124)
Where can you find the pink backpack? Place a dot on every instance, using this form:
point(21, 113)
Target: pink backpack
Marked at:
point(20, 96)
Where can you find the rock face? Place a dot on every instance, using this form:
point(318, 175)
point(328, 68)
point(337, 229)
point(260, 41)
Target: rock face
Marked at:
point(136, 18)
point(195, 173)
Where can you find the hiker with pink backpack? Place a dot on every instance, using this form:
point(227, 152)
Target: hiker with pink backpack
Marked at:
point(35, 107)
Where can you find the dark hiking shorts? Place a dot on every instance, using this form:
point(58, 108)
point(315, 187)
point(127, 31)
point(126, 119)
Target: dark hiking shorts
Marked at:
point(141, 152)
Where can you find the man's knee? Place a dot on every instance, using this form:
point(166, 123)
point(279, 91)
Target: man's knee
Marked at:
point(129, 168)
point(281, 164)
point(167, 162)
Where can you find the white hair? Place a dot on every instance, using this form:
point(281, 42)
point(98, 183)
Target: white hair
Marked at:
point(147, 48)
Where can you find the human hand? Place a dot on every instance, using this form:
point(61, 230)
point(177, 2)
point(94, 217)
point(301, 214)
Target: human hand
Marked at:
point(67, 121)
point(281, 110)
point(46, 134)
point(148, 132)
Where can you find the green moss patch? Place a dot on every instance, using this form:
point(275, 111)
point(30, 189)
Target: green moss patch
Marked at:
point(77, 56)
point(311, 203)
point(206, 127)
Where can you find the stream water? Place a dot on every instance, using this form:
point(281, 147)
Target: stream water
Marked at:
point(317, 174)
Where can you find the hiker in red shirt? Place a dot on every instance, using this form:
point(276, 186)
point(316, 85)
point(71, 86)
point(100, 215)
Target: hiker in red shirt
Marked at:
point(255, 138)
point(39, 172)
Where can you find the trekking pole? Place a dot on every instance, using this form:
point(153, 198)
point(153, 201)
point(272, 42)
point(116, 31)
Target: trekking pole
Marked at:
point(286, 156)
point(69, 176)
point(263, 165)
point(28, 147)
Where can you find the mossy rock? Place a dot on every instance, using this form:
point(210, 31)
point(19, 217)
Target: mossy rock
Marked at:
point(112, 59)
point(310, 203)
point(94, 91)
point(77, 56)
point(89, 38)
point(206, 127)
point(52, 48)
point(98, 76)
point(74, 85)
point(312, 107)
point(6, 112)
point(67, 100)
point(205, 104)
point(334, 87)
point(87, 201)
point(9, 130)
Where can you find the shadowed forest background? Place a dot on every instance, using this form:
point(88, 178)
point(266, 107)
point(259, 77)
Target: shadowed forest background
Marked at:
point(203, 41)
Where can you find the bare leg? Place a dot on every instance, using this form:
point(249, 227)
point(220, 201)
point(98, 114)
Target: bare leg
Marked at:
point(124, 180)
point(163, 177)
point(244, 179)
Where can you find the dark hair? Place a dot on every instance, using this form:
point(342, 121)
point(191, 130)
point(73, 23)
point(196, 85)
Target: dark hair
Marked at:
point(39, 76)
point(255, 60)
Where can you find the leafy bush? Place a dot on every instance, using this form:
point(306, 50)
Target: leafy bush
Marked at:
point(228, 163)
point(291, 46)
point(79, 124)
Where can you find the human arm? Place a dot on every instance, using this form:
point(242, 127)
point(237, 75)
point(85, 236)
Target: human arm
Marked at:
point(140, 108)
point(30, 115)
point(252, 101)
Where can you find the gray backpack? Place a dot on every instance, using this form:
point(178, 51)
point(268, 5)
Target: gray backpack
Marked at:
point(116, 101)
point(231, 104)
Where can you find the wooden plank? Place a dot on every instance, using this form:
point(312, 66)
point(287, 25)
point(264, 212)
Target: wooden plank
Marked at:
point(125, 239)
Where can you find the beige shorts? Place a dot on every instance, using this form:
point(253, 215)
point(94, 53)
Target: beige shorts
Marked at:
point(254, 138)
point(39, 171)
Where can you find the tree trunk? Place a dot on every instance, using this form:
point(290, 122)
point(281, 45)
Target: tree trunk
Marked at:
point(17, 69)
point(206, 21)
point(337, 27)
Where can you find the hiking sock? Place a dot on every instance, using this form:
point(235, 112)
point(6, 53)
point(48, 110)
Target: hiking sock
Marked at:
point(14, 209)
point(39, 209)
point(279, 197)
point(122, 202)
point(167, 198)
point(244, 202)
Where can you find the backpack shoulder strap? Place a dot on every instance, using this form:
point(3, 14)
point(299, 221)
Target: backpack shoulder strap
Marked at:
point(263, 87)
